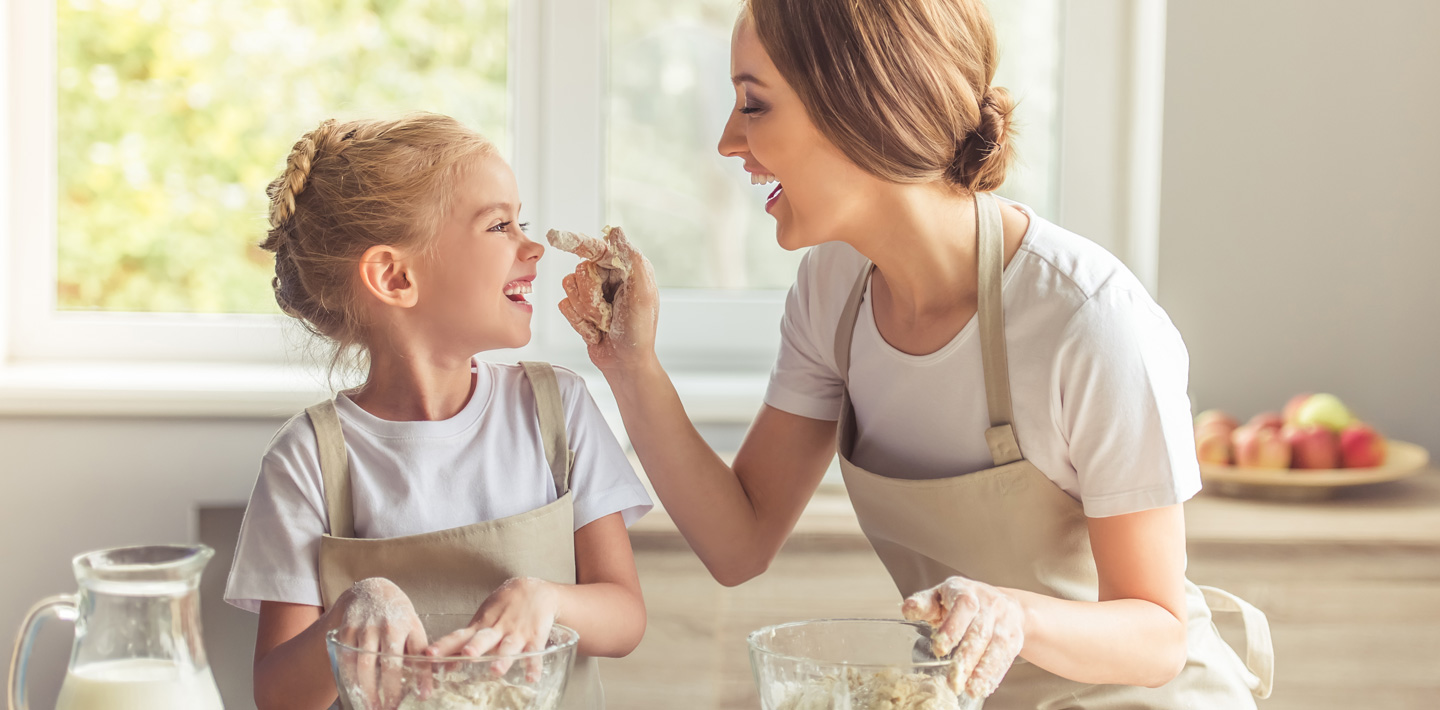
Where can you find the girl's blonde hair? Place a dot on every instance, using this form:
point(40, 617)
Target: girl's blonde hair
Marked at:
point(901, 86)
point(347, 187)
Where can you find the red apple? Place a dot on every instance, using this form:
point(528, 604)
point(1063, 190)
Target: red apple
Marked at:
point(1313, 446)
point(1215, 417)
point(1212, 444)
point(1268, 420)
point(1260, 447)
point(1292, 408)
point(1361, 446)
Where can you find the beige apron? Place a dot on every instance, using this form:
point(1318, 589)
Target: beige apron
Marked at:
point(1011, 526)
point(448, 573)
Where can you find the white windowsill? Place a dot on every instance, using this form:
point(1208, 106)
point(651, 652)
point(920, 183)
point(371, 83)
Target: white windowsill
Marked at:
point(257, 390)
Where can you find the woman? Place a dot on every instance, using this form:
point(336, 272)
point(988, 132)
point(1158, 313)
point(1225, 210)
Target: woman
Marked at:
point(1023, 483)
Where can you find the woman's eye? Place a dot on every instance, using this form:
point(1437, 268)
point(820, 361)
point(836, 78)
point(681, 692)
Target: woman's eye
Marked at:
point(751, 109)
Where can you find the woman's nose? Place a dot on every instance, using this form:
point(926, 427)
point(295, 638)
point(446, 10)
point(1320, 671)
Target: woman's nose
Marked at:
point(732, 139)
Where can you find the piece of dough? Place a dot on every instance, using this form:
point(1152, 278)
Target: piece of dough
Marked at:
point(865, 690)
point(481, 695)
point(610, 270)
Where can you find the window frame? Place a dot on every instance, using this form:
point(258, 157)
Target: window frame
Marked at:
point(1112, 73)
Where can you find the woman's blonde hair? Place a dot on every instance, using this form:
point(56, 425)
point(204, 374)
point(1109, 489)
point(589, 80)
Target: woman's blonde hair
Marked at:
point(347, 187)
point(900, 86)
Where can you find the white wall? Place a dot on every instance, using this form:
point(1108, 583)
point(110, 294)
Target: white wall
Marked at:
point(1299, 244)
point(68, 485)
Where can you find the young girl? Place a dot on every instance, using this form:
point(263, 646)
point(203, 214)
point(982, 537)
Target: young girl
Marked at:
point(448, 506)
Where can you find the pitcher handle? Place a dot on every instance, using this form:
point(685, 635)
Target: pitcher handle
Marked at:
point(62, 607)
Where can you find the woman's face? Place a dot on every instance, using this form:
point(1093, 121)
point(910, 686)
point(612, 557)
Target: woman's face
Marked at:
point(476, 277)
point(818, 191)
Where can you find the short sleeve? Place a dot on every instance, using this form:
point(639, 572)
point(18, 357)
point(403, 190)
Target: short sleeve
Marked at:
point(1124, 409)
point(602, 479)
point(278, 555)
point(804, 380)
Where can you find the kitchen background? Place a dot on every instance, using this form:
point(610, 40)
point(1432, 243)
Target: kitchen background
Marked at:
point(1268, 167)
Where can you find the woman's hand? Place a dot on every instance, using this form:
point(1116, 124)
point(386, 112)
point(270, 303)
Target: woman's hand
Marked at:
point(375, 615)
point(515, 618)
point(986, 624)
point(630, 341)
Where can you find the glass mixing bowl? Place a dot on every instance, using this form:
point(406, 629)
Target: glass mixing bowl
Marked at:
point(368, 680)
point(852, 664)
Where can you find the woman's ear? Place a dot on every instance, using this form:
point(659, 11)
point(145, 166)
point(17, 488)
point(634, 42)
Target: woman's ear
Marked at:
point(387, 275)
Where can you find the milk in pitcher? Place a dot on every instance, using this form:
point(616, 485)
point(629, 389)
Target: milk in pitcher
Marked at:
point(138, 685)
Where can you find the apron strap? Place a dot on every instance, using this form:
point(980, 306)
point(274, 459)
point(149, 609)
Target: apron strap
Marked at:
point(334, 468)
point(990, 246)
point(845, 331)
point(551, 408)
point(1259, 650)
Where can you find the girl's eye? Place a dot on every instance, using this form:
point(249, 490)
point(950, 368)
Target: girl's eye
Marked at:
point(501, 227)
point(524, 227)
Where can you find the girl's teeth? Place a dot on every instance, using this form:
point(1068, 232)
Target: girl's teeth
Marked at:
point(519, 290)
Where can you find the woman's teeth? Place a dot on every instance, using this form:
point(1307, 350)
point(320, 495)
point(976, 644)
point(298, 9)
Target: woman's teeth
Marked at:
point(762, 178)
point(517, 291)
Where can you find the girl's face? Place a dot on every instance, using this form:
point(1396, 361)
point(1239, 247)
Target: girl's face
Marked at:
point(478, 273)
point(818, 191)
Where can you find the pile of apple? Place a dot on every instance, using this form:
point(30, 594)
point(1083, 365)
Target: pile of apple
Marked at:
point(1314, 431)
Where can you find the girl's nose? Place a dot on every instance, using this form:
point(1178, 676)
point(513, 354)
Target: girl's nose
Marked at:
point(531, 250)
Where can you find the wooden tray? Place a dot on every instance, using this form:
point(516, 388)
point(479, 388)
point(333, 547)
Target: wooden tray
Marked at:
point(1402, 459)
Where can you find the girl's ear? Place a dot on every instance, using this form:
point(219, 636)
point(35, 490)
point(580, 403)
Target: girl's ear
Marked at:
point(387, 275)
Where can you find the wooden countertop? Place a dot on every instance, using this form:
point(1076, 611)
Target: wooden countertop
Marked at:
point(1405, 512)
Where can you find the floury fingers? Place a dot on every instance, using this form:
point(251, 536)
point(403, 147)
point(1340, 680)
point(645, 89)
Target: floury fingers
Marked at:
point(606, 266)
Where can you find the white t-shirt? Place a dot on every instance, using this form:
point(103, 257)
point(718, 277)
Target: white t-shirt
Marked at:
point(407, 478)
point(1098, 375)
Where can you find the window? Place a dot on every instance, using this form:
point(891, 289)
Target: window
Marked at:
point(145, 131)
point(173, 115)
point(694, 212)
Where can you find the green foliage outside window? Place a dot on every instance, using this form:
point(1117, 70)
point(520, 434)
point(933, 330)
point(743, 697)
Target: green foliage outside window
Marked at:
point(175, 114)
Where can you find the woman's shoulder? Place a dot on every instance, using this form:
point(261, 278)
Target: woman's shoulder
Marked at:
point(1069, 264)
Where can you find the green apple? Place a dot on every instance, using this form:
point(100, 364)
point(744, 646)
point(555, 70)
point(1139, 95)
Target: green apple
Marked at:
point(1326, 410)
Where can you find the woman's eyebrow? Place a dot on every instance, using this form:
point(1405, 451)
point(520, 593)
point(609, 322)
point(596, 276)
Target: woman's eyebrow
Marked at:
point(747, 78)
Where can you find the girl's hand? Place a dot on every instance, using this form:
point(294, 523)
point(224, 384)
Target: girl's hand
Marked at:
point(986, 623)
point(375, 615)
point(515, 618)
point(630, 342)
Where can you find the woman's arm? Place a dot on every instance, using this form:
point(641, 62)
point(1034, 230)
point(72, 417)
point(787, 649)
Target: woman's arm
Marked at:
point(1135, 634)
point(735, 518)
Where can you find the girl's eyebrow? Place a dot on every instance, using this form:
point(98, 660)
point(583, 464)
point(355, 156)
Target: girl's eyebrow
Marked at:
point(496, 207)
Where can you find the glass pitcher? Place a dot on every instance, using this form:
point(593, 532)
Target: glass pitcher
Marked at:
point(137, 633)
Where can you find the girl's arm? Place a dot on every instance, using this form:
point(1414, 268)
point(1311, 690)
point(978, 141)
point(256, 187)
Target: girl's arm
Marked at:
point(604, 605)
point(292, 664)
point(735, 518)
